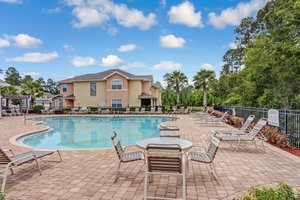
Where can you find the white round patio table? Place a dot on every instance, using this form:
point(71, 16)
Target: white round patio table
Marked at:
point(184, 144)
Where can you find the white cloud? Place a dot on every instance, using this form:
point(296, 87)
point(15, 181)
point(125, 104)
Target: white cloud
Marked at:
point(35, 57)
point(12, 1)
point(170, 41)
point(34, 75)
point(133, 65)
point(97, 12)
point(185, 14)
point(111, 61)
point(132, 17)
point(52, 10)
point(127, 47)
point(79, 61)
point(232, 45)
point(167, 65)
point(207, 66)
point(233, 16)
point(69, 47)
point(87, 16)
point(24, 40)
point(4, 43)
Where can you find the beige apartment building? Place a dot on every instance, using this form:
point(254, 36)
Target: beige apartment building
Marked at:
point(111, 88)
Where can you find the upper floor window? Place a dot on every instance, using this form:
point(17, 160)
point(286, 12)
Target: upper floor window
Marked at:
point(116, 84)
point(64, 87)
point(93, 88)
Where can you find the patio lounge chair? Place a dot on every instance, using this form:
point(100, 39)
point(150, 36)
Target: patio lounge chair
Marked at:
point(143, 111)
point(214, 120)
point(152, 111)
point(243, 129)
point(83, 110)
point(186, 111)
point(164, 160)
point(159, 110)
point(252, 136)
point(13, 112)
point(10, 162)
point(203, 116)
point(127, 111)
point(106, 111)
point(123, 156)
point(17, 111)
point(74, 111)
point(208, 156)
point(136, 111)
point(5, 113)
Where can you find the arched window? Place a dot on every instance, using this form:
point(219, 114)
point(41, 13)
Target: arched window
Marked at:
point(116, 84)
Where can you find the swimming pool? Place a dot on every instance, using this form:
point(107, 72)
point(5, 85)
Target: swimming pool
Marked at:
point(92, 132)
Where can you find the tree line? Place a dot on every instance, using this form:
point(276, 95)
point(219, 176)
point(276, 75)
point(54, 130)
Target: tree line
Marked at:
point(26, 85)
point(262, 71)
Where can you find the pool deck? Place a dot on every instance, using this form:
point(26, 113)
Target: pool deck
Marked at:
point(89, 174)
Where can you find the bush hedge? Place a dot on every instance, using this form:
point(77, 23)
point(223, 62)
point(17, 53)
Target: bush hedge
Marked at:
point(282, 192)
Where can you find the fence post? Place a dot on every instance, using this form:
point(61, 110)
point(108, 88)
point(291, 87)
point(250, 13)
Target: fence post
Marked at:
point(285, 121)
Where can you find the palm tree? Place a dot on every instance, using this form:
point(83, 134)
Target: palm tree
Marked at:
point(201, 81)
point(32, 89)
point(9, 90)
point(176, 81)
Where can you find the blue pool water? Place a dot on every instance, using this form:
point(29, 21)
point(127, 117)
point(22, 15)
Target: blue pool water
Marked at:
point(92, 132)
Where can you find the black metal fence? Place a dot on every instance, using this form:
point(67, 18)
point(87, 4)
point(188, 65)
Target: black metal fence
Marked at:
point(289, 119)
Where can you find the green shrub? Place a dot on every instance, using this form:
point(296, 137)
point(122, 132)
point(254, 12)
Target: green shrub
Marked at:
point(38, 108)
point(1, 196)
point(282, 192)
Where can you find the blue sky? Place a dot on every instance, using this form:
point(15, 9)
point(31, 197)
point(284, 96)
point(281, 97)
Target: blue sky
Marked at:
point(61, 38)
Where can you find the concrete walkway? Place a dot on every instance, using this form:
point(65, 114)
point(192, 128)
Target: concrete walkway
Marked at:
point(89, 174)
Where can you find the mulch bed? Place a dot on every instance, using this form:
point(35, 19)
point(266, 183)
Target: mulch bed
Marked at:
point(293, 150)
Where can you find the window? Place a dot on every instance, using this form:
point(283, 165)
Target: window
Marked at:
point(116, 103)
point(64, 87)
point(116, 84)
point(93, 87)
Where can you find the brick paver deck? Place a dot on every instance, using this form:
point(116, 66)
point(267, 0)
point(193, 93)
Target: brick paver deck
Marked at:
point(89, 174)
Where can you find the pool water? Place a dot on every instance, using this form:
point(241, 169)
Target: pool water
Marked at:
point(92, 132)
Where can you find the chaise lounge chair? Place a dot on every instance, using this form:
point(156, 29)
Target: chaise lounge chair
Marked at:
point(214, 120)
point(10, 162)
point(243, 129)
point(252, 136)
point(5, 113)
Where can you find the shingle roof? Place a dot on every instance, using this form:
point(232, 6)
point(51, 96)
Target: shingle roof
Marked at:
point(103, 75)
point(157, 84)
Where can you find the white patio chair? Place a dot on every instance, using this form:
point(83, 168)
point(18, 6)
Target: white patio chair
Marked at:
point(127, 111)
point(164, 160)
point(207, 156)
point(124, 157)
point(152, 111)
point(17, 111)
point(143, 111)
point(5, 113)
point(159, 110)
point(252, 136)
point(136, 111)
point(243, 129)
point(10, 162)
point(214, 120)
